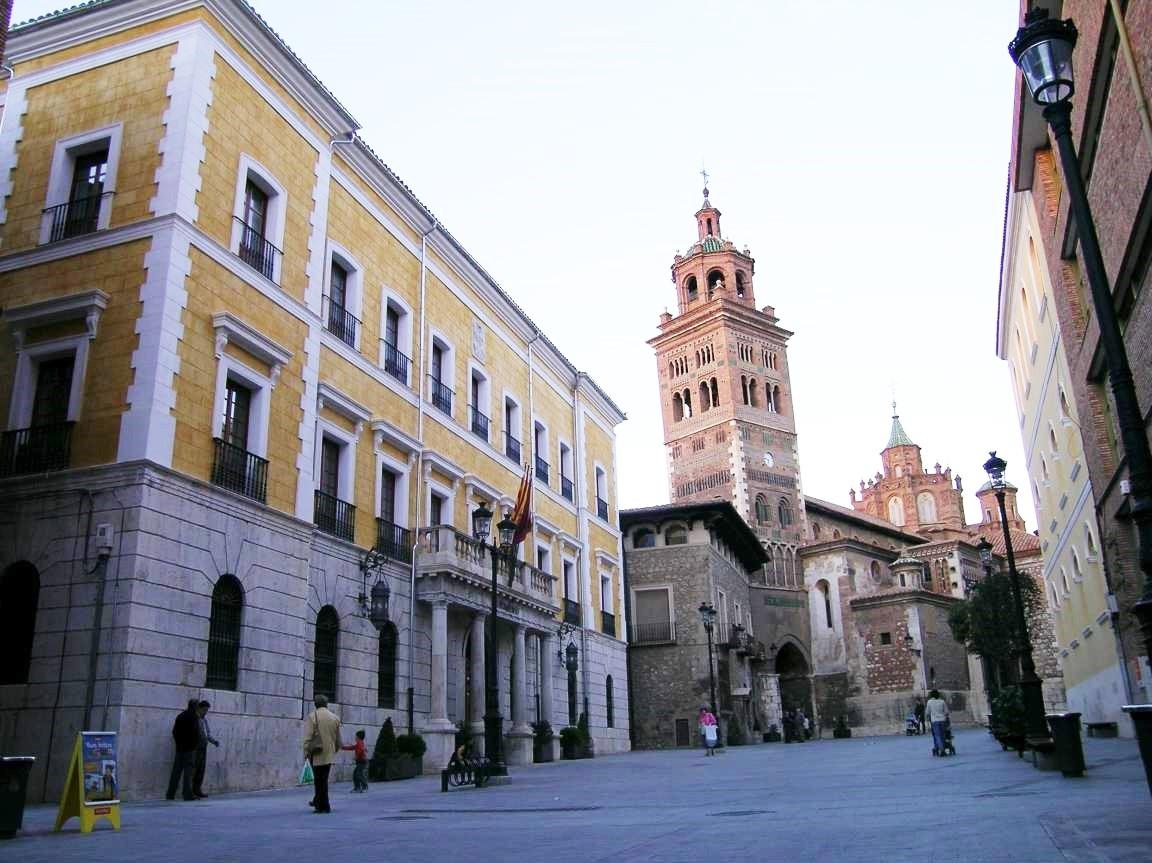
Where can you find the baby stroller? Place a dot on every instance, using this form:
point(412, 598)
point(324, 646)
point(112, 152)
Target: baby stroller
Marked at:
point(949, 746)
point(911, 725)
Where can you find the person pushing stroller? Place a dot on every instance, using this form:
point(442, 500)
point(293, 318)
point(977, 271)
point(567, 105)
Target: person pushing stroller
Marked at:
point(936, 712)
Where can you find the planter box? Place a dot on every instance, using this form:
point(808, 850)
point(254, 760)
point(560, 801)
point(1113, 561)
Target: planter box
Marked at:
point(542, 753)
point(400, 767)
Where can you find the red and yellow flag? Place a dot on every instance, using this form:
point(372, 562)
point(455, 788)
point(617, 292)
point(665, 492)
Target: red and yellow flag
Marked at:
point(522, 514)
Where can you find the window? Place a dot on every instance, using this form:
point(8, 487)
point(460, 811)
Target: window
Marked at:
point(926, 507)
point(540, 450)
point(1090, 542)
point(258, 219)
point(325, 653)
point(566, 471)
point(896, 511)
point(436, 510)
point(753, 398)
point(643, 538)
point(824, 589)
point(606, 593)
point(1077, 572)
point(478, 404)
point(608, 702)
point(874, 571)
point(334, 512)
point(691, 291)
point(722, 612)
point(762, 512)
point(343, 300)
point(784, 511)
point(653, 620)
point(224, 634)
point(235, 467)
point(676, 535)
point(512, 429)
point(440, 376)
point(387, 495)
point(715, 392)
point(569, 578)
point(396, 343)
point(885, 637)
point(81, 183)
point(544, 558)
point(19, 601)
point(601, 493)
point(386, 668)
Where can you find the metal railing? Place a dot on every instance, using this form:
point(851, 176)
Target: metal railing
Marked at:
point(36, 449)
point(602, 508)
point(334, 516)
point(75, 218)
point(653, 633)
point(572, 612)
point(238, 470)
point(443, 546)
point(541, 470)
point(342, 323)
point(480, 423)
point(396, 363)
point(608, 623)
point(511, 447)
point(566, 487)
point(393, 541)
point(256, 251)
point(441, 395)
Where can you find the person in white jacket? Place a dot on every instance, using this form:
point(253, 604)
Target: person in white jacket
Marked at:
point(936, 712)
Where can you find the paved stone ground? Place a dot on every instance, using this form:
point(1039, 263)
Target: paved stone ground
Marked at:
point(869, 799)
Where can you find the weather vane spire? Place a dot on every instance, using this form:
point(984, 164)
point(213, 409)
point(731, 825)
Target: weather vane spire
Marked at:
point(704, 174)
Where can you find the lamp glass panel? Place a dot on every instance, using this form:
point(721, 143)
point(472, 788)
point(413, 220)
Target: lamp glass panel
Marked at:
point(482, 522)
point(1047, 68)
point(507, 529)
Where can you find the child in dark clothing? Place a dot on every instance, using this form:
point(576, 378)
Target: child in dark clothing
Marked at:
point(360, 774)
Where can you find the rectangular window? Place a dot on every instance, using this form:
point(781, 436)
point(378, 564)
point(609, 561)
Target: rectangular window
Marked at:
point(436, 510)
point(81, 214)
point(330, 467)
point(569, 580)
point(53, 391)
point(237, 410)
point(392, 327)
point(885, 637)
point(255, 250)
point(606, 593)
point(653, 621)
point(387, 495)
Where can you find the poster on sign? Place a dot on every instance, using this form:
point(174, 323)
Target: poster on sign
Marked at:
point(98, 754)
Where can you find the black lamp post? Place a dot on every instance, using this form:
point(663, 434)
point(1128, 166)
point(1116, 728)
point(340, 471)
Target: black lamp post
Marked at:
point(1035, 726)
point(572, 665)
point(493, 721)
point(708, 618)
point(1043, 51)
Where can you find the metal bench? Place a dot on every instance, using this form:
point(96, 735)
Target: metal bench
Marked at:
point(465, 770)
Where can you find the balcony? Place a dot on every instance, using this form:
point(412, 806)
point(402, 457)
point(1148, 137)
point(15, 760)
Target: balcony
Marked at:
point(572, 612)
point(511, 447)
point(660, 632)
point(602, 508)
point(38, 449)
point(735, 640)
point(334, 516)
point(608, 623)
point(542, 470)
point(257, 252)
point(441, 396)
point(566, 487)
point(480, 423)
point(393, 541)
point(240, 471)
point(75, 218)
point(396, 363)
point(342, 323)
point(443, 549)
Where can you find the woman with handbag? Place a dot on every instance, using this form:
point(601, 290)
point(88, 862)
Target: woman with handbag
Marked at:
point(321, 744)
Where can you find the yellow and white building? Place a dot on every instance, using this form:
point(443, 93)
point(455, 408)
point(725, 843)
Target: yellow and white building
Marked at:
point(237, 353)
point(1076, 583)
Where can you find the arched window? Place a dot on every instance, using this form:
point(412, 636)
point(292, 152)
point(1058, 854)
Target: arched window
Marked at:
point(836, 533)
point(643, 538)
point(609, 706)
point(740, 286)
point(19, 599)
point(874, 569)
point(676, 535)
point(224, 633)
point(386, 667)
point(815, 531)
point(688, 404)
point(762, 516)
point(744, 387)
point(690, 288)
point(926, 507)
point(823, 587)
point(1077, 573)
point(705, 396)
point(325, 652)
point(677, 407)
point(715, 392)
point(896, 511)
point(1064, 581)
point(784, 512)
point(1089, 540)
point(753, 398)
point(1052, 439)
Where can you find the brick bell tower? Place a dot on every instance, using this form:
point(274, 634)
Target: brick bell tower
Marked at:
point(725, 394)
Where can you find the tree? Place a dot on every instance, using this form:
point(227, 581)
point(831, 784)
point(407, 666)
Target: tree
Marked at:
point(985, 622)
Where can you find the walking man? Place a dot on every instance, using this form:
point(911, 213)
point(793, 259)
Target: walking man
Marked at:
point(321, 744)
point(202, 748)
point(937, 713)
point(186, 735)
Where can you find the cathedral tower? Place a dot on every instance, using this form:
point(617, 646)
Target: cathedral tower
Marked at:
point(725, 394)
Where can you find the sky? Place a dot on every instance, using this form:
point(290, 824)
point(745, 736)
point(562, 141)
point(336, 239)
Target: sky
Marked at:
point(860, 150)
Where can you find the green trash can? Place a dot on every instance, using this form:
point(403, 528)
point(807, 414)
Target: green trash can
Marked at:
point(13, 789)
point(1066, 737)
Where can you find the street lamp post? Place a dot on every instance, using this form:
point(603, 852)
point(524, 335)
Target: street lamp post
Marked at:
point(708, 618)
point(1043, 51)
point(1036, 728)
point(493, 721)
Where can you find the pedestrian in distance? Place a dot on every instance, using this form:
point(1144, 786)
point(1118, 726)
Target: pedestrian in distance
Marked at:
point(708, 730)
point(186, 735)
point(202, 748)
point(360, 774)
point(918, 711)
point(321, 744)
point(937, 712)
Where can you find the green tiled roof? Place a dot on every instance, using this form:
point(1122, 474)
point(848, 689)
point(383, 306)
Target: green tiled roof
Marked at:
point(898, 437)
point(711, 244)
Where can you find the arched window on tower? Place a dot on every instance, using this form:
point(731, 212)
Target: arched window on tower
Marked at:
point(768, 397)
point(784, 512)
point(741, 286)
point(825, 594)
point(688, 404)
point(705, 397)
point(715, 392)
point(744, 387)
point(677, 407)
point(690, 289)
point(926, 507)
point(715, 281)
point(896, 511)
point(753, 396)
point(776, 400)
point(762, 516)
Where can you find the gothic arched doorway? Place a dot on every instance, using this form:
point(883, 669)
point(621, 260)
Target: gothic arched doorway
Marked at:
point(795, 685)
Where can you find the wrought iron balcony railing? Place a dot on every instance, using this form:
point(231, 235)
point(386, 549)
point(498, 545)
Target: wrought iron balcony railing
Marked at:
point(37, 449)
point(238, 470)
point(441, 395)
point(542, 470)
point(660, 632)
point(256, 251)
point(572, 612)
point(608, 623)
point(396, 363)
point(511, 447)
point(334, 516)
point(393, 541)
point(74, 218)
point(602, 508)
point(480, 423)
point(566, 487)
point(342, 323)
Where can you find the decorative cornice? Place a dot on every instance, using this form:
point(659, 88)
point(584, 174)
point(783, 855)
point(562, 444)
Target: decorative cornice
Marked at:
point(382, 430)
point(230, 328)
point(330, 397)
point(87, 305)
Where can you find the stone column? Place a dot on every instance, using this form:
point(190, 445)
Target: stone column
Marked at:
point(439, 734)
point(547, 652)
point(476, 692)
point(519, 681)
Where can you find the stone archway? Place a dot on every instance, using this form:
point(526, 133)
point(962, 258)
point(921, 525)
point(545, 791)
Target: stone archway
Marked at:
point(795, 683)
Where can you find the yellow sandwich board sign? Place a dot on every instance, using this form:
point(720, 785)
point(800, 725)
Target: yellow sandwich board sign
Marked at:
point(92, 788)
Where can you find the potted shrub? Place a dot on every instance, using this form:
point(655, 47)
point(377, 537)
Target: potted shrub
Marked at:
point(1008, 717)
point(396, 757)
point(384, 750)
point(570, 742)
point(841, 729)
point(410, 749)
point(542, 737)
